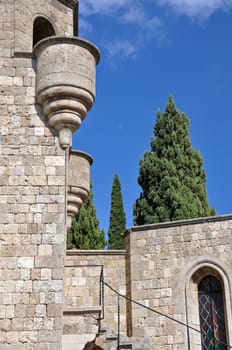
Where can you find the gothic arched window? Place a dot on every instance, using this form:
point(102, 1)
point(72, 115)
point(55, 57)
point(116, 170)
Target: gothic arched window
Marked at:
point(211, 312)
point(42, 29)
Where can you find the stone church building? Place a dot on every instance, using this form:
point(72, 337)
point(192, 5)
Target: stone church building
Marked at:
point(170, 289)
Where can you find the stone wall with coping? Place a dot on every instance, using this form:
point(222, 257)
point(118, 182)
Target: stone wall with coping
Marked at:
point(32, 216)
point(165, 262)
point(32, 196)
point(82, 283)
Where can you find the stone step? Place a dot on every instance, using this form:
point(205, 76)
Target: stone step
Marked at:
point(113, 346)
point(80, 327)
point(94, 310)
point(105, 330)
point(76, 342)
point(126, 346)
point(111, 342)
point(111, 337)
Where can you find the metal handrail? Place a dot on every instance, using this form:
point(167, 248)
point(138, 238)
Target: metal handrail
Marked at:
point(102, 293)
point(202, 333)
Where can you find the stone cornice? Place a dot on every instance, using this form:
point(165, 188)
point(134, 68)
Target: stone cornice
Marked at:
point(73, 252)
point(186, 222)
point(70, 3)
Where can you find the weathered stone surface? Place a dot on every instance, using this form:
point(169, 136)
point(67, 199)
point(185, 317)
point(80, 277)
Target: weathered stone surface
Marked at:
point(65, 82)
point(162, 261)
point(82, 282)
point(32, 187)
point(78, 182)
point(162, 264)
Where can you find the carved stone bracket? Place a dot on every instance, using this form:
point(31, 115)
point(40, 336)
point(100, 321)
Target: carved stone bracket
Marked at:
point(78, 182)
point(65, 82)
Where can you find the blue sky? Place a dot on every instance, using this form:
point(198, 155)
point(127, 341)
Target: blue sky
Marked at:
point(151, 49)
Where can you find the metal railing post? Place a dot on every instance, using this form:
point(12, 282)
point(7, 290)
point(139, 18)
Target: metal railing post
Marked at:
point(118, 338)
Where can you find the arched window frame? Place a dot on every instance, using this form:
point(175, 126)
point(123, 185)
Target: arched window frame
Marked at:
point(193, 275)
point(50, 28)
point(211, 302)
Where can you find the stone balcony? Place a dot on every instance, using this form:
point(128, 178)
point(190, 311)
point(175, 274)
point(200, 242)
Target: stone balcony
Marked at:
point(78, 182)
point(65, 82)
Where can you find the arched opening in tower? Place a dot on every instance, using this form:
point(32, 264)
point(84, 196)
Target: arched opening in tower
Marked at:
point(42, 29)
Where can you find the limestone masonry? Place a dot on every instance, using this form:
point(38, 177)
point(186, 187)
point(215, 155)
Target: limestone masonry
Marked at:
point(39, 101)
point(148, 296)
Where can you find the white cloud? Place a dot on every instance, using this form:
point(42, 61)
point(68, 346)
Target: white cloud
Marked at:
point(122, 49)
point(132, 15)
point(135, 22)
point(137, 15)
point(85, 25)
point(132, 18)
point(128, 11)
point(202, 8)
point(196, 8)
point(89, 7)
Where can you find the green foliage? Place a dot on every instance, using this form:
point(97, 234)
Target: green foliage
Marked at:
point(117, 216)
point(84, 232)
point(171, 174)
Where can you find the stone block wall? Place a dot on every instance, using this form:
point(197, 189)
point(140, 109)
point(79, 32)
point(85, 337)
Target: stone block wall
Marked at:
point(59, 14)
point(82, 283)
point(6, 34)
point(32, 216)
point(32, 194)
point(164, 264)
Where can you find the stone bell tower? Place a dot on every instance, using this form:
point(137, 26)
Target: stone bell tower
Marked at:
point(47, 86)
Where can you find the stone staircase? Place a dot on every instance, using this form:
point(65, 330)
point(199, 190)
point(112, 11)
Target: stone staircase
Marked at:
point(80, 327)
point(82, 331)
point(110, 341)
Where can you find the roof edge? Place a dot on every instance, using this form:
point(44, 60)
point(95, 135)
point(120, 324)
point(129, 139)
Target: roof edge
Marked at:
point(70, 3)
point(77, 252)
point(185, 222)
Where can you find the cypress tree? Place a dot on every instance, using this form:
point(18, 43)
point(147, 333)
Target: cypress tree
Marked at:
point(171, 174)
point(84, 232)
point(117, 216)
